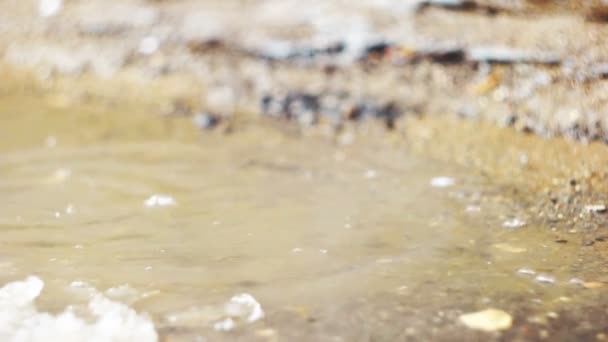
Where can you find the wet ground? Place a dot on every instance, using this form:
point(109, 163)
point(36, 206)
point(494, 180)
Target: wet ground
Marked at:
point(374, 236)
point(263, 170)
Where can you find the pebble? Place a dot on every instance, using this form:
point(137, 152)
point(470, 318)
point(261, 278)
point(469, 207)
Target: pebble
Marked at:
point(488, 320)
point(442, 182)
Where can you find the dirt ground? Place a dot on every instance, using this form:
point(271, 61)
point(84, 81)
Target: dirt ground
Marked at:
point(536, 65)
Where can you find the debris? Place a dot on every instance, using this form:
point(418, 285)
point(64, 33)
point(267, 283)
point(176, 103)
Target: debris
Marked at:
point(438, 53)
point(506, 55)
point(312, 108)
point(448, 4)
point(488, 320)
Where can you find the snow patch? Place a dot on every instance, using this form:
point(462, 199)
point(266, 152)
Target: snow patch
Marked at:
point(110, 321)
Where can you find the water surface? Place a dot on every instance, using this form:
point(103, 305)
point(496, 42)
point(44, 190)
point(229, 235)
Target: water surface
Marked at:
point(356, 242)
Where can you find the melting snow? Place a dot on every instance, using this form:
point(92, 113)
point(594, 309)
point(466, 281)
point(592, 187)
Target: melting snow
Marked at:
point(111, 321)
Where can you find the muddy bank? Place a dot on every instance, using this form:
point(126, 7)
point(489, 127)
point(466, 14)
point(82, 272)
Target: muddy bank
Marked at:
point(535, 65)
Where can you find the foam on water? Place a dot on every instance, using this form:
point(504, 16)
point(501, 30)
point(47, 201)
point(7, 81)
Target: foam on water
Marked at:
point(111, 321)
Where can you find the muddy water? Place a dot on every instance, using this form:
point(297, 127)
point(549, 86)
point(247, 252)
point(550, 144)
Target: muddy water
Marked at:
point(357, 242)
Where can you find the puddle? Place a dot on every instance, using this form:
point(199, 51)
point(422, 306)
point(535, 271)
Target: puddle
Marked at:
point(262, 235)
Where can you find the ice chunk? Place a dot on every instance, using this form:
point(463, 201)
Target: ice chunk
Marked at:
point(111, 321)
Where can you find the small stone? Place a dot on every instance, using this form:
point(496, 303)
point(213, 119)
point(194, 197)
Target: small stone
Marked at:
point(488, 320)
